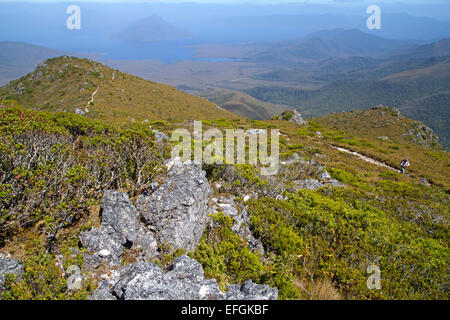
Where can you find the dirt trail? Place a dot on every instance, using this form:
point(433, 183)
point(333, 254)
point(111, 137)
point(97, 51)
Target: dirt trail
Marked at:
point(92, 97)
point(365, 158)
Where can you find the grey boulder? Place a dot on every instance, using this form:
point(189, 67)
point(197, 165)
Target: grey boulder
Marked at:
point(146, 281)
point(120, 228)
point(120, 214)
point(9, 266)
point(251, 291)
point(184, 281)
point(176, 212)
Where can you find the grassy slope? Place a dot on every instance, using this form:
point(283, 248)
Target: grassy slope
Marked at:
point(242, 104)
point(65, 84)
point(361, 131)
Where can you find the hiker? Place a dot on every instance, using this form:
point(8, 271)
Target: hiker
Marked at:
point(403, 165)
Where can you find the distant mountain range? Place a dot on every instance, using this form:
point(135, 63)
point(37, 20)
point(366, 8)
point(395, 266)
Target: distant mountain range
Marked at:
point(288, 26)
point(415, 79)
point(327, 44)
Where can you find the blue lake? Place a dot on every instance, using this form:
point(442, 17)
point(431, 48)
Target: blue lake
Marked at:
point(166, 52)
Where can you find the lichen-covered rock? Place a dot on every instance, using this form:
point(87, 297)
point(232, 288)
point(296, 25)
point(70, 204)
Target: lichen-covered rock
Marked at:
point(251, 291)
point(91, 261)
point(105, 238)
point(120, 214)
point(160, 136)
point(9, 266)
point(120, 228)
point(309, 184)
point(176, 211)
point(20, 89)
point(297, 118)
point(80, 112)
point(141, 281)
point(184, 281)
point(145, 240)
point(335, 183)
point(324, 175)
point(146, 281)
point(423, 135)
point(102, 293)
point(210, 291)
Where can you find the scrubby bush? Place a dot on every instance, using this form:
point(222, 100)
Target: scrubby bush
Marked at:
point(318, 237)
point(225, 256)
point(55, 166)
point(43, 279)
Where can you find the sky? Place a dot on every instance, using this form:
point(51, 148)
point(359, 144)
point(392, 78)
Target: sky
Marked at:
point(254, 1)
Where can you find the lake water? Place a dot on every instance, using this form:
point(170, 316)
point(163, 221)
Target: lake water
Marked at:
point(166, 52)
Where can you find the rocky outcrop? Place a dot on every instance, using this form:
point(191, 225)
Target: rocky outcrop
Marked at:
point(423, 135)
point(184, 281)
point(9, 266)
point(298, 119)
point(294, 116)
point(120, 228)
point(20, 89)
point(310, 184)
point(176, 212)
point(241, 221)
point(120, 214)
point(319, 176)
point(80, 112)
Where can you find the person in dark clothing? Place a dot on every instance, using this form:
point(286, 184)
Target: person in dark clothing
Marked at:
point(403, 165)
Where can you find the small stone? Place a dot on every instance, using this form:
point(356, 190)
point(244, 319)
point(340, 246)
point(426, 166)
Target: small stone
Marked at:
point(104, 253)
point(324, 175)
point(80, 112)
point(159, 136)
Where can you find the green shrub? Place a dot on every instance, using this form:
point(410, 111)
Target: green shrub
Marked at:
point(225, 256)
point(313, 234)
point(55, 166)
point(42, 280)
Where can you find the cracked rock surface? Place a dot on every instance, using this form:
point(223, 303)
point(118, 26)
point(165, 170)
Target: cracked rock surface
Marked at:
point(177, 212)
point(184, 281)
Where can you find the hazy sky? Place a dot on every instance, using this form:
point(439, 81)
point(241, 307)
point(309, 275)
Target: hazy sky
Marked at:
point(255, 1)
